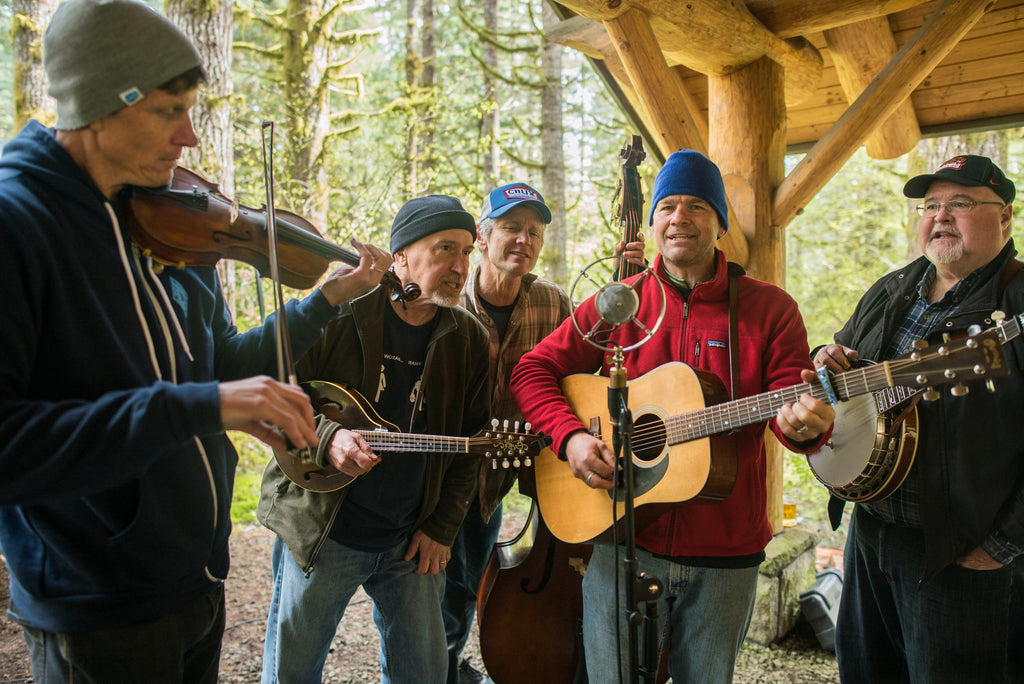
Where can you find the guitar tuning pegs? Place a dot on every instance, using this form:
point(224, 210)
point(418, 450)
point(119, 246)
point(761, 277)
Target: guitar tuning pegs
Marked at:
point(974, 330)
point(506, 425)
point(494, 464)
point(527, 461)
point(959, 390)
point(516, 428)
point(515, 462)
point(998, 316)
point(494, 423)
point(505, 464)
point(527, 426)
point(930, 394)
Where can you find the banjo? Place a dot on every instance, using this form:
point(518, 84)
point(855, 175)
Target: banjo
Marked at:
point(874, 437)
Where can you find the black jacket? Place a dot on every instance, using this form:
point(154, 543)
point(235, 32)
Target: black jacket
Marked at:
point(970, 454)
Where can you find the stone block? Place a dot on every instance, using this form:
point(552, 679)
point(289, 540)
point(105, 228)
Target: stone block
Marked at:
point(787, 571)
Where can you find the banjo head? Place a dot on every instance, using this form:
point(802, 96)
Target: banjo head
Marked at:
point(844, 457)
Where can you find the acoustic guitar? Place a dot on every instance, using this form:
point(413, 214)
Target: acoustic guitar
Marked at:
point(677, 410)
point(347, 407)
point(874, 440)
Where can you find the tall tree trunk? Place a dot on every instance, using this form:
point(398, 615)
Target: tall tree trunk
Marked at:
point(28, 23)
point(306, 57)
point(428, 87)
point(209, 25)
point(410, 177)
point(552, 143)
point(490, 125)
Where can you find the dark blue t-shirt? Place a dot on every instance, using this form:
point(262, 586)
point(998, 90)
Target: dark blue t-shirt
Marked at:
point(383, 505)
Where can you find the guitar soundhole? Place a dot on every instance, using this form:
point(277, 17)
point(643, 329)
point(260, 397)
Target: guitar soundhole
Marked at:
point(648, 437)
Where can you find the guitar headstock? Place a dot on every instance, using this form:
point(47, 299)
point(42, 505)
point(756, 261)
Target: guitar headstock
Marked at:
point(509, 448)
point(979, 356)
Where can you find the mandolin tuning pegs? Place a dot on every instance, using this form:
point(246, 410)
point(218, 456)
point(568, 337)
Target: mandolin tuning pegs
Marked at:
point(527, 461)
point(990, 386)
point(527, 426)
point(930, 394)
point(959, 390)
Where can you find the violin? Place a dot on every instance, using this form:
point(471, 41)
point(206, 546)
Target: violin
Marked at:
point(191, 223)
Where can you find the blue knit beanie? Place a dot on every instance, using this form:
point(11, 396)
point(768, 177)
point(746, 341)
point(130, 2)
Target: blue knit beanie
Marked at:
point(688, 172)
point(423, 216)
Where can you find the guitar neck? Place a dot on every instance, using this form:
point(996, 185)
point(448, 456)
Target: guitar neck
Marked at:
point(733, 415)
point(890, 397)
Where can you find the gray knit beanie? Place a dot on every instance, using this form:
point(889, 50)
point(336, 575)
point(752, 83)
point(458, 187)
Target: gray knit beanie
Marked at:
point(101, 55)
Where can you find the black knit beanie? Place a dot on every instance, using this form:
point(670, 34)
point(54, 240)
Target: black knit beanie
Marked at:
point(425, 216)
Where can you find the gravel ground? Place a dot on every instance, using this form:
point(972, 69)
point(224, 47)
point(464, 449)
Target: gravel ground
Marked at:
point(797, 659)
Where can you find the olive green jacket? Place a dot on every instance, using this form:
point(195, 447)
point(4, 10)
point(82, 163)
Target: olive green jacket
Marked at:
point(457, 396)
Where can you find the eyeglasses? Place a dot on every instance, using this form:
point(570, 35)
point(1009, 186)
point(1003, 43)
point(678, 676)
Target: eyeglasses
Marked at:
point(953, 207)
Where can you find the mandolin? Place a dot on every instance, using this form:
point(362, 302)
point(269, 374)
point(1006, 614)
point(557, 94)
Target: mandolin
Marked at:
point(351, 410)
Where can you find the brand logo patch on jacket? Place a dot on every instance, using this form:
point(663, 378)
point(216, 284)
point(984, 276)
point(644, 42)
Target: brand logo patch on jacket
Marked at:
point(179, 296)
point(718, 344)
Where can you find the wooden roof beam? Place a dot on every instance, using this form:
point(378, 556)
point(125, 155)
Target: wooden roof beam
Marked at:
point(664, 101)
point(715, 37)
point(789, 18)
point(911, 65)
point(859, 51)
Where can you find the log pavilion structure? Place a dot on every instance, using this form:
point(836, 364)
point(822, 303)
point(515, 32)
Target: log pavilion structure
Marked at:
point(747, 82)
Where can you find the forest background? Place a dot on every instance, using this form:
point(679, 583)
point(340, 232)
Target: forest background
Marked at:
point(378, 102)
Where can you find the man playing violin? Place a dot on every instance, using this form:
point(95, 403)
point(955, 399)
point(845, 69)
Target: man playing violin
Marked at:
point(933, 583)
point(705, 552)
point(118, 379)
point(423, 367)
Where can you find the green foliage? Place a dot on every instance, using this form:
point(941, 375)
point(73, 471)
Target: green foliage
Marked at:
point(253, 457)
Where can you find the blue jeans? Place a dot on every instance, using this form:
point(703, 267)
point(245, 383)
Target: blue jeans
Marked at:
point(704, 611)
point(960, 626)
point(470, 552)
point(305, 612)
point(182, 648)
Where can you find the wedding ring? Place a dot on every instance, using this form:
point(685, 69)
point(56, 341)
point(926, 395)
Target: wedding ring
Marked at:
point(589, 475)
point(802, 429)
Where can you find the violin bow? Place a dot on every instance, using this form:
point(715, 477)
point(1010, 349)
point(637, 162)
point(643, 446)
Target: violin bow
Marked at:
point(285, 362)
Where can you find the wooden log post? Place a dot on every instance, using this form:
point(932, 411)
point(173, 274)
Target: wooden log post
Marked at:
point(748, 142)
point(859, 52)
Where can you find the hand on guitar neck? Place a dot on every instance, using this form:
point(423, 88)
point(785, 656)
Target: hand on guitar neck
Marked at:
point(836, 357)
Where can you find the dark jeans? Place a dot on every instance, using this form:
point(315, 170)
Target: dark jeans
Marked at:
point(960, 626)
point(180, 648)
point(470, 553)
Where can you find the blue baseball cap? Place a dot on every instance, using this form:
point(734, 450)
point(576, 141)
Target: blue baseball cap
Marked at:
point(500, 200)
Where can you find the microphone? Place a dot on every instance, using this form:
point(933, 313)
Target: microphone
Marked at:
point(616, 303)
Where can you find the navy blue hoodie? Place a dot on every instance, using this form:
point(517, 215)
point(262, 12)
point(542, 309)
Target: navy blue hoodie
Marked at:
point(115, 472)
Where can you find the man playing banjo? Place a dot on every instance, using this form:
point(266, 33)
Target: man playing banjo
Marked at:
point(934, 581)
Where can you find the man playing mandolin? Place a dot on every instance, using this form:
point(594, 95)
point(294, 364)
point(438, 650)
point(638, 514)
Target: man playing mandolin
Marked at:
point(706, 552)
point(118, 379)
point(933, 586)
point(423, 367)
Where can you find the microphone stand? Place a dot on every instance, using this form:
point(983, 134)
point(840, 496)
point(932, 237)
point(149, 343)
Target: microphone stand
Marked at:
point(639, 587)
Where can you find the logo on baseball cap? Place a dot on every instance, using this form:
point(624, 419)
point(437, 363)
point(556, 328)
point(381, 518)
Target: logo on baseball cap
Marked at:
point(500, 200)
point(966, 169)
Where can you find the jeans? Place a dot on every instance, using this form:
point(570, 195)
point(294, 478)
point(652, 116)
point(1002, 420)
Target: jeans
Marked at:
point(960, 626)
point(305, 611)
point(705, 612)
point(182, 648)
point(470, 553)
